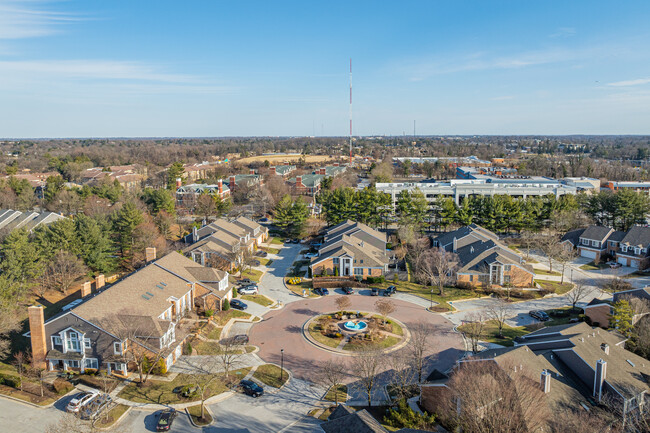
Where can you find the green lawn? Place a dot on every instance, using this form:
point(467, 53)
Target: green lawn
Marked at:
point(383, 344)
point(252, 274)
point(269, 374)
point(195, 413)
point(113, 415)
point(564, 316)
point(272, 250)
point(451, 293)
point(545, 272)
point(205, 347)
point(258, 299)
point(491, 332)
point(555, 286)
point(160, 392)
point(220, 318)
point(341, 390)
point(396, 329)
point(276, 241)
point(263, 261)
point(591, 266)
point(637, 274)
point(297, 288)
point(214, 333)
point(314, 331)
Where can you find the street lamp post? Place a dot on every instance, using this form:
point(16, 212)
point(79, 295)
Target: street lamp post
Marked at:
point(431, 305)
point(281, 364)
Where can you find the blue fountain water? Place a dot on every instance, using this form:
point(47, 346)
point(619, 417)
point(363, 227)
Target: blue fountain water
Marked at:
point(355, 326)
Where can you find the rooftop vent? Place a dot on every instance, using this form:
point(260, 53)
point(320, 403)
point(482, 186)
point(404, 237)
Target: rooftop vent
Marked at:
point(630, 362)
point(160, 287)
point(146, 297)
point(149, 293)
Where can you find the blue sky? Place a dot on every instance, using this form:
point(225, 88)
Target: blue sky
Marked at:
point(232, 68)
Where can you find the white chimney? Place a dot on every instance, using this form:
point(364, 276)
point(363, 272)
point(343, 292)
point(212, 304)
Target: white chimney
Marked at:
point(546, 381)
point(195, 234)
point(599, 378)
point(455, 244)
point(605, 348)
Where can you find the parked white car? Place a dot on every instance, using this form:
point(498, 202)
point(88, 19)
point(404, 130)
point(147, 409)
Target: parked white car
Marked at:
point(80, 400)
point(249, 290)
point(310, 255)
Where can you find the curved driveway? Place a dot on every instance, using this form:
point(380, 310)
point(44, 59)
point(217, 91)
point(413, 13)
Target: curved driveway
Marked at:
point(282, 329)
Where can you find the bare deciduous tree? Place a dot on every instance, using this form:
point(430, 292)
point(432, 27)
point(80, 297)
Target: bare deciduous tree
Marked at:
point(550, 246)
point(499, 311)
point(474, 329)
point(385, 307)
point(485, 397)
point(438, 267)
point(331, 374)
point(63, 270)
point(19, 361)
point(203, 373)
point(366, 367)
point(205, 206)
point(229, 354)
point(579, 291)
point(579, 422)
point(420, 334)
point(403, 372)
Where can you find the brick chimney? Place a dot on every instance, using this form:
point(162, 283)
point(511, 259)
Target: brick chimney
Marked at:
point(232, 183)
point(86, 289)
point(322, 171)
point(336, 164)
point(37, 335)
point(299, 181)
point(149, 254)
point(272, 170)
point(220, 186)
point(100, 281)
point(179, 182)
point(251, 171)
point(546, 381)
point(599, 378)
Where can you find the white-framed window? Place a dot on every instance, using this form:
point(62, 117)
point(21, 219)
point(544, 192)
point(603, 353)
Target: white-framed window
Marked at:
point(117, 348)
point(73, 363)
point(56, 341)
point(358, 271)
point(637, 250)
point(506, 268)
point(87, 343)
point(335, 261)
point(72, 341)
point(91, 363)
point(624, 249)
point(594, 243)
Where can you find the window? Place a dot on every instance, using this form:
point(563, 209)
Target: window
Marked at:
point(506, 268)
point(335, 261)
point(637, 250)
point(117, 348)
point(73, 364)
point(91, 363)
point(361, 261)
point(506, 279)
point(358, 271)
point(624, 249)
point(594, 243)
point(56, 340)
point(87, 343)
point(471, 278)
point(72, 341)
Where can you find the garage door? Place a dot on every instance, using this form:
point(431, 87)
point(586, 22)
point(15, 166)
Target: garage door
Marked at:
point(588, 254)
point(622, 261)
point(634, 263)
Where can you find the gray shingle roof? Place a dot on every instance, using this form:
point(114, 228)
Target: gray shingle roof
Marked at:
point(596, 233)
point(637, 235)
point(357, 422)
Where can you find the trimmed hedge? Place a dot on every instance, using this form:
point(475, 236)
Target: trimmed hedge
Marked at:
point(10, 380)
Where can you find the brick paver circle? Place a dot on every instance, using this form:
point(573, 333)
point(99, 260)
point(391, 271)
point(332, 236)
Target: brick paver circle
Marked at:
point(282, 329)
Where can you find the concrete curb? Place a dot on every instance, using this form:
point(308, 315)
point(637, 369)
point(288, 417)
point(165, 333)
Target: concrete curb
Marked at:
point(116, 422)
point(273, 390)
point(207, 409)
point(30, 404)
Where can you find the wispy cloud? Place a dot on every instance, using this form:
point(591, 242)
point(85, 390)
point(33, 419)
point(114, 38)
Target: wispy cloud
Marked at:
point(23, 19)
point(92, 69)
point(503, 98)
point(483, 61)
point(627, 83)
point(563, 32)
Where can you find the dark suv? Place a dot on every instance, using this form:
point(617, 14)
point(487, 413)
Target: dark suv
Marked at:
point(390, 290)
point(374, 291)
point(539, 315)
point(251, 388)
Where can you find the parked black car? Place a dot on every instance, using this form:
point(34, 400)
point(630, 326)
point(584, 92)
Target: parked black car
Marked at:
point(321, 291)
point(374, 291)
point(539, 315)
point(390, 290)
point(251, 388)
point(261, 253)
point(166, 419)
point(237, 304)
point(347, 290)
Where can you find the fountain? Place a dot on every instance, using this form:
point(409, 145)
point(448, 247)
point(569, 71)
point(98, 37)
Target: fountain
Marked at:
point(355, 326)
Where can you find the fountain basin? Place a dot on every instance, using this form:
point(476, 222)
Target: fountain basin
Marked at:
point(355, 326)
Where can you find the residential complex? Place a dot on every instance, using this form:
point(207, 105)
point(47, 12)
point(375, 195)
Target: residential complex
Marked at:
point(14, 219)
point(578, 367)
point(630, 248)
point(351, 249)
point(483, 259)
point(142, 310)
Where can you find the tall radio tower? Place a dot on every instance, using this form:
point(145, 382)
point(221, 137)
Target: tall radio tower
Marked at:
point(350, 111)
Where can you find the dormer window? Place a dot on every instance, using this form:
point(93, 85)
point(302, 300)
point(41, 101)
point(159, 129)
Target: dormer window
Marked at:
point(72, 342)
point(117, 348)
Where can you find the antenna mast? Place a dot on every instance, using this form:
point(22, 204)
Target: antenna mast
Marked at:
point(350, 111)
